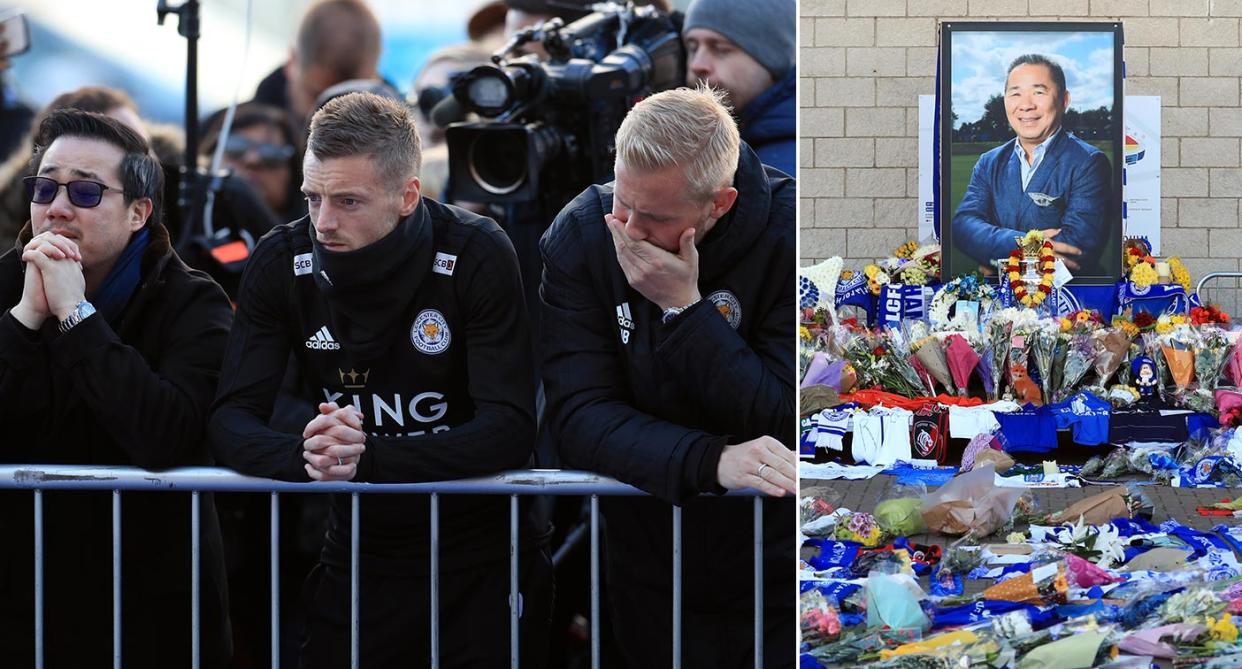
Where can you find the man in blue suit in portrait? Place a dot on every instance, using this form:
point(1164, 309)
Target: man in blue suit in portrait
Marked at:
point(1044, 179)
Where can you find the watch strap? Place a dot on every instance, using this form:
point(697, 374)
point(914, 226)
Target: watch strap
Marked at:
point(673, 312)
point(80, 313)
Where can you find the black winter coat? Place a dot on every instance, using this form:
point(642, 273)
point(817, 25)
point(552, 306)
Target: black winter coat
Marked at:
point(653, 405)
point(132, 393)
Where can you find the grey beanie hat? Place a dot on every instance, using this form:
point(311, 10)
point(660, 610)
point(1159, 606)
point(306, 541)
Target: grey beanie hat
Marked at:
point(762, 28)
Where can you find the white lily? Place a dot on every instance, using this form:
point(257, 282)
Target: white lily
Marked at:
point(1111, 546)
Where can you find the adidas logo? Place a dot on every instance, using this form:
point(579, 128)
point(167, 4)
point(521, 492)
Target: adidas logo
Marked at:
point(322, 341)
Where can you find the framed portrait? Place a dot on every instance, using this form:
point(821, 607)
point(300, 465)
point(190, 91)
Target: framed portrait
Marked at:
point(1031, 139)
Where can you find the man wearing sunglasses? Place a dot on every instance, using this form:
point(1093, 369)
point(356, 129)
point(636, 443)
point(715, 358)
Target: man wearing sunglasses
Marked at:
point(109, 352)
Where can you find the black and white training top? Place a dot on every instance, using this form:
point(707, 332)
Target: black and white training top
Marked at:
point(432, 347)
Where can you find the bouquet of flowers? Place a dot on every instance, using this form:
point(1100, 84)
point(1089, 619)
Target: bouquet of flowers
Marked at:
point(1211, 351)
point(1079, 354)
point(1178, 350)
point(899, 341)
point(1209, 315)
point(1166, 323)
point(1042, 585)
point(1098, 544)
point(860, 527)
point(962, 359)
point(953, 296)
point(819, 619)
point(929, 353)
point(1110, 346)
point(875, 365)
point(1083, 321)
point(995, 353)
point(1043, 348)
point(910, 264)
point(1234, 366)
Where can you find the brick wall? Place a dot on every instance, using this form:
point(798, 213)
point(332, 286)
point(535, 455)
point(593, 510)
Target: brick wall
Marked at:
point(865, 62)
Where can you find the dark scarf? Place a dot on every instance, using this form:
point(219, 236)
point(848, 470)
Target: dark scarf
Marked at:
point(369, 290)
point(118, 287)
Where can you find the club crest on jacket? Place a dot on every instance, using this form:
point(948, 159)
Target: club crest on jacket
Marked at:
point(430, 332)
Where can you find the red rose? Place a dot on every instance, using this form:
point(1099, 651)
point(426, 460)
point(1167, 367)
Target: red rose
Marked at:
point(878, 351)
point(1045, 289)
point(1143, 319)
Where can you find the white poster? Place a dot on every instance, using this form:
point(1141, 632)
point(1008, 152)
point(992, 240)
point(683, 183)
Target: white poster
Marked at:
point(1141, 190)
point(927, 192)
point(1141, 186)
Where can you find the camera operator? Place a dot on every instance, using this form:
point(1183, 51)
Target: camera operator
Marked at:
point(667, 302)
point(337, 40)
point(746, 47)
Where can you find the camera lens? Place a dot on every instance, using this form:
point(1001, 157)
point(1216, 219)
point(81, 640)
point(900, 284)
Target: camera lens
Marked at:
point(498, 161)
point(489, 93)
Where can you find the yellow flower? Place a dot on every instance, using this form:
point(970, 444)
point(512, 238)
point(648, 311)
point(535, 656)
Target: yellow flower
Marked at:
point(1223, 629)
point(1014, 276)
point(1181, 275)
point(1178, 319)
point(1127, 327)
point(906, 251)
point(1083, 316)
point(1065, 326)
point(871, 271)
point(1143, 275)
point(803, 333)
point(1164, 325)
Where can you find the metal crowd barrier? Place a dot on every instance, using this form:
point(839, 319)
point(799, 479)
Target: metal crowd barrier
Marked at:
point(211, 479)
point(1232, 285)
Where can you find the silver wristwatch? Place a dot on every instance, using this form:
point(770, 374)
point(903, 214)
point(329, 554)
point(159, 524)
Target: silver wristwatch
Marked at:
point(673, 312)
point(79, 314)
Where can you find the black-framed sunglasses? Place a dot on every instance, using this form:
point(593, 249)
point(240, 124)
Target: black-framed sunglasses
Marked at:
point(82, 193)
point(237, 147)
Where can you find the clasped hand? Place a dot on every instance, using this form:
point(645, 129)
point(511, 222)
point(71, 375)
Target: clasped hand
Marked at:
point(333, 443)
point(54, 283)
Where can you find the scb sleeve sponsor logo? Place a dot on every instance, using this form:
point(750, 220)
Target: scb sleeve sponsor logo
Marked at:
point(302, 264)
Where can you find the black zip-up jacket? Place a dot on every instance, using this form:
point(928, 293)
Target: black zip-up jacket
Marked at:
point(653, 405)
point(134, 393)
point(455, 404)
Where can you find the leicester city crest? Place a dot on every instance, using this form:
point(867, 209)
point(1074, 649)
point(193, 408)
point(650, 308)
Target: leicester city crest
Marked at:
point(728, 306)
point(430, 332)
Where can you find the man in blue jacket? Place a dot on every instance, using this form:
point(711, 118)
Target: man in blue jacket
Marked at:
point(746, 48)
point(1045, 179)
point(668, 304)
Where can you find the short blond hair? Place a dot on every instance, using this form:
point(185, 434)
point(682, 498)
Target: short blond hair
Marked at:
point(690, 128)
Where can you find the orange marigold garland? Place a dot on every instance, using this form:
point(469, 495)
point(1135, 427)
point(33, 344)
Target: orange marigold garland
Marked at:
point(1047, 264)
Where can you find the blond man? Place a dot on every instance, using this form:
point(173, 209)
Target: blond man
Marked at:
point(669, 364)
